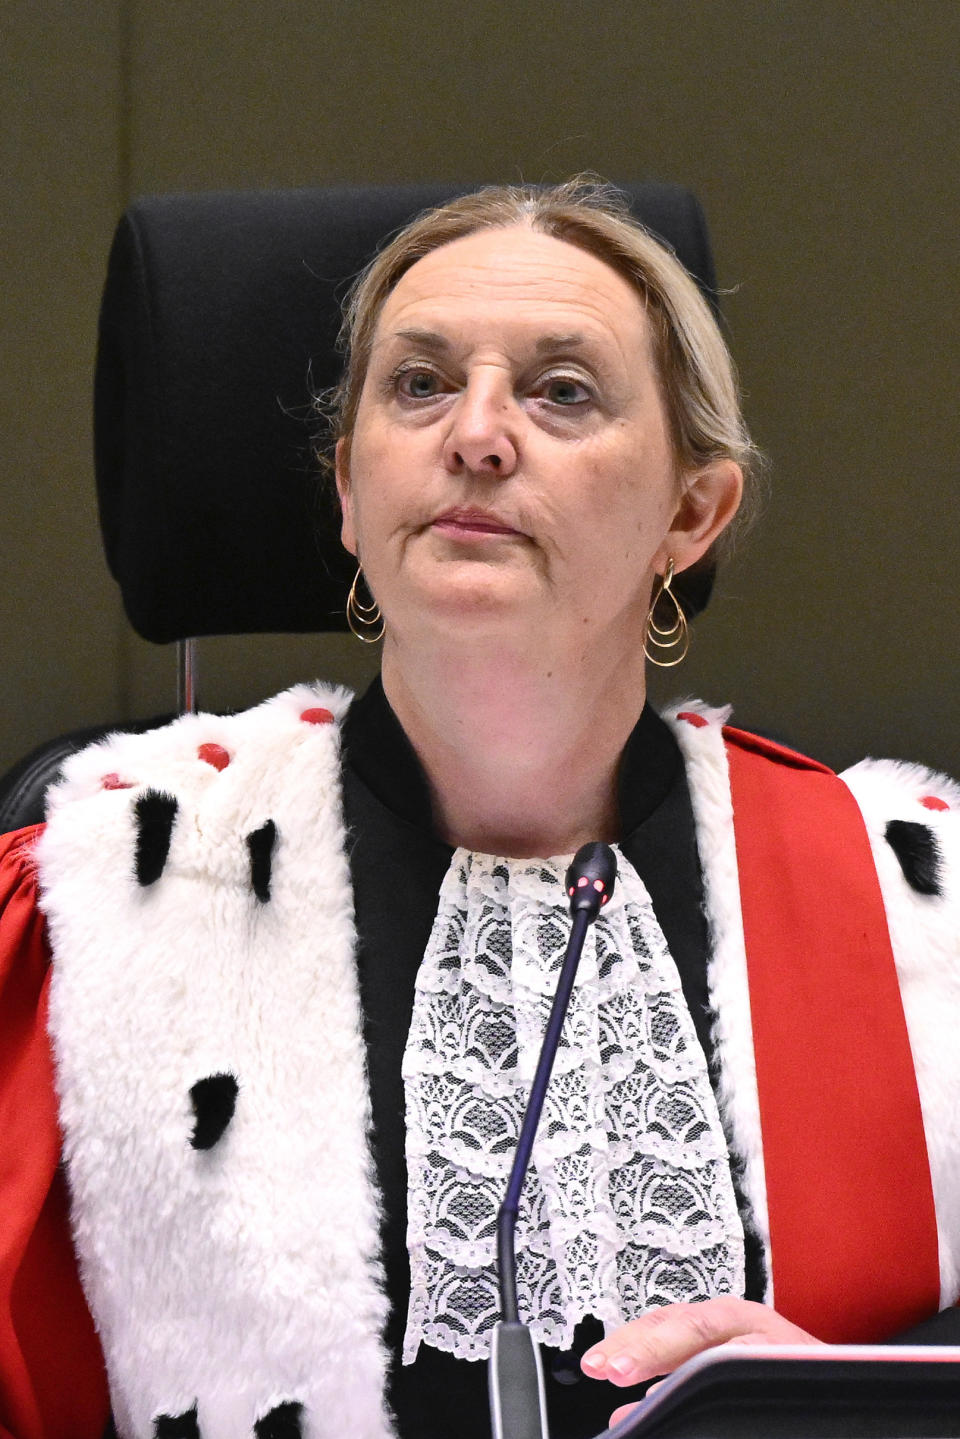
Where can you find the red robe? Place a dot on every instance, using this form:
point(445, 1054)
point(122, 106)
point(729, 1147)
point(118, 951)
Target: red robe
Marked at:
point(52, 1379)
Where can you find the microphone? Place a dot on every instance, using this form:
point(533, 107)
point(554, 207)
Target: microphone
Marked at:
point(590, 879)
point(518, 1408)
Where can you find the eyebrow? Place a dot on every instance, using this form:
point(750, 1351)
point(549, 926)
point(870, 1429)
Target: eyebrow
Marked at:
point(429, 339)
point(547, 344)
point(573, 340)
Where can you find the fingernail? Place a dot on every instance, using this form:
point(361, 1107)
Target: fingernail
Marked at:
point(594, 1360)
point(622, 1364)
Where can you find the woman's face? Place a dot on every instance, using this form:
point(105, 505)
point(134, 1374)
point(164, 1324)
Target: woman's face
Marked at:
point(511, 463)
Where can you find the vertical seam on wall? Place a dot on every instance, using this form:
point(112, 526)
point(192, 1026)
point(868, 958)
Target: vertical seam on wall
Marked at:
point(124, 154)
point(125, 102)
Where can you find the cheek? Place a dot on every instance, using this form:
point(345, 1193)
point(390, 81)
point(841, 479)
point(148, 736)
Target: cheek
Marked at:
point(354, 495)
point(373, 510)
point(649, 495)
point(360, 523)
point(633, 499)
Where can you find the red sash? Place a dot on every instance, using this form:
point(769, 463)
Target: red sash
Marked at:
point(853, 1231)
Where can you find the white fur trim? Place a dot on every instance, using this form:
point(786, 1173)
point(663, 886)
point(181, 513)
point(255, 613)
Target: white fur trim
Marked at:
point(925, 935)
point(246, 1275)
point(272, 1235)
point(705, 757)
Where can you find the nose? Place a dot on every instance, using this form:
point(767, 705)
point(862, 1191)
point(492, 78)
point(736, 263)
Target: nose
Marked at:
point(482, 437)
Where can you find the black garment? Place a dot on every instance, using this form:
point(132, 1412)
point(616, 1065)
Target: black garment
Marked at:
point(397, 865)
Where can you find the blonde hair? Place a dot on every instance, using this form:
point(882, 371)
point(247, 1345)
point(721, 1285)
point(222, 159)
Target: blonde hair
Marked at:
point(695, 368)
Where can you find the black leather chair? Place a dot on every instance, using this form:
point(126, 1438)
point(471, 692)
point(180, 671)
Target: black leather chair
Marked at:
point(218, 324)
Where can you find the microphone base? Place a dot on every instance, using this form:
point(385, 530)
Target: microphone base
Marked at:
point(518, 1404)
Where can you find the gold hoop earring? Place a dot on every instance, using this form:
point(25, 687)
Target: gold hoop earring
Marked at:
point(672, 637)
point(365, 621)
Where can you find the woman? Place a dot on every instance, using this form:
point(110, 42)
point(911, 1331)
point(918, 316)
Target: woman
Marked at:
point(537, 431)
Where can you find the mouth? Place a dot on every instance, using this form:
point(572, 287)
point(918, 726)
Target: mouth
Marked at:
point(473, 524)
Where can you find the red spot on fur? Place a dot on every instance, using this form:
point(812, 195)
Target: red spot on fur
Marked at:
point(214, 754)
point(932, 801)
point(317, 716)
point(113, 781)
point(696, 720)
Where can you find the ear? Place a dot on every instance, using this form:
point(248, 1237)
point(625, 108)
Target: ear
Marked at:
point(348, 532)
point(710, 499)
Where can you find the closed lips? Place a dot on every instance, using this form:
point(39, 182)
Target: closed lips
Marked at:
point(475, 521)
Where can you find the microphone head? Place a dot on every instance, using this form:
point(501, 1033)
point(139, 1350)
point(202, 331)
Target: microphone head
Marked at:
point(591, 877)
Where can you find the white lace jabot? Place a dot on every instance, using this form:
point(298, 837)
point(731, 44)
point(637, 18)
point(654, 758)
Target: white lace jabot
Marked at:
point(629, 1201)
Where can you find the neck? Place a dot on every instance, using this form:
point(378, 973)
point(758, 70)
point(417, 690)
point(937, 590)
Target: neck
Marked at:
point(521, 751)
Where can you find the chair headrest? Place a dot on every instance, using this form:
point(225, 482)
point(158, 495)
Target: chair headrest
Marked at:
point(218, 323)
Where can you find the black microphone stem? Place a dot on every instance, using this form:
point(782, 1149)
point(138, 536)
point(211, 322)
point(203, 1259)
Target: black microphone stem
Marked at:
point(518, 1404)
point(507, 1217)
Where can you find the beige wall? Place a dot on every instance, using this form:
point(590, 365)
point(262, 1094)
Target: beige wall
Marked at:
point(822, 137)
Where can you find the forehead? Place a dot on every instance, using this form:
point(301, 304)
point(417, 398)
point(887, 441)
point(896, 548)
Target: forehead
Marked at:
point(517, 279)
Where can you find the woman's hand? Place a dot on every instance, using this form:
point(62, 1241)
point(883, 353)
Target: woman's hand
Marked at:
point(664, 1337)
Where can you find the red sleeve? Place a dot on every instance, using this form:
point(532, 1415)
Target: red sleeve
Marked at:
point(52, 1380)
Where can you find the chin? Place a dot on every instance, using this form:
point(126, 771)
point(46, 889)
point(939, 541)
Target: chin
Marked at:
point(471, 604)
point(476, 585)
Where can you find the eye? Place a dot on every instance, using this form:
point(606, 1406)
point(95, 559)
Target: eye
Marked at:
point(564, 390)
point(417, 383)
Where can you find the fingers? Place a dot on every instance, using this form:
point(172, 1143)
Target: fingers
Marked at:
point(664, 1337)
point(621, 1413)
